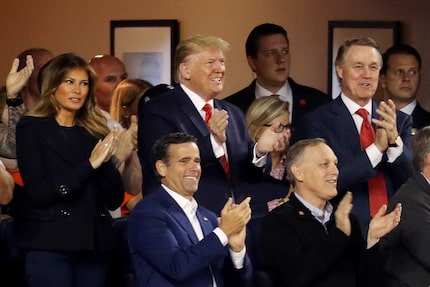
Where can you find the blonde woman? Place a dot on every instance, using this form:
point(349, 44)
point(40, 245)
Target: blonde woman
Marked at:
point(123, 109)
point(262, 114)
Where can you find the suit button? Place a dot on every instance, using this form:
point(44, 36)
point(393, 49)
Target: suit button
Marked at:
point(64, 191)
point(64, 212)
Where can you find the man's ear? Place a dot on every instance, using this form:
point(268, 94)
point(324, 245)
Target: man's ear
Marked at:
point(297, 173)
point(160, 166)
point(251, 63)
point(184, 71)
point(382, 82)
point(339, 72)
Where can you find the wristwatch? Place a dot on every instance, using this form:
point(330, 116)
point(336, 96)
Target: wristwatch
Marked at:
point(14, 102)
point(396, 142)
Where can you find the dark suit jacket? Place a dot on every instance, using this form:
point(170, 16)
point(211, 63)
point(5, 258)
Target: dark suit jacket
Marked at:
point(305, 99)
point(174, 112)
point(64, 203)
point(334, 123)
point(420, 117)
point(406, 247)
point(166, 251)
point(301, 252)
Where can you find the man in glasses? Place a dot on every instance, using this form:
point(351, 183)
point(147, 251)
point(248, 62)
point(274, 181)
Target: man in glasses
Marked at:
point(400, 81)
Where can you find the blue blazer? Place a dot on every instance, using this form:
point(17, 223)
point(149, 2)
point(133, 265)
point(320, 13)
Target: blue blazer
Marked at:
point(166, 251)
point(334, 123)
point(174, 112)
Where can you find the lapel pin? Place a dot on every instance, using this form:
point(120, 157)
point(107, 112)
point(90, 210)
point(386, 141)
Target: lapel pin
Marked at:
point(205, 218)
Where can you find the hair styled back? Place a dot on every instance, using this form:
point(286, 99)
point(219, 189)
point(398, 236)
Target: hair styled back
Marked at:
point(252, 44)
point(51, 76)
point(261, 112)
point(295, 154)
point(359, 41)
point(194, 45)
point(123, 97)
point(161, 148)
point(399, 50)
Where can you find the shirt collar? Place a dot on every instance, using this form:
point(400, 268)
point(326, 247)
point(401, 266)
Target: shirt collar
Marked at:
point(197, 101)
point(322, 216)
point(283, 92)
point(188, 206)
point(409, 108)
point(353, 106)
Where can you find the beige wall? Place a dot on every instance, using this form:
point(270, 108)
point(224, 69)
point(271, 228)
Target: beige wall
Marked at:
point(83, 27)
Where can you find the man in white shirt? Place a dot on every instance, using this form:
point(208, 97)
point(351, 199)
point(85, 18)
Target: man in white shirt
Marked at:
point(176, 242)
point(400, 80)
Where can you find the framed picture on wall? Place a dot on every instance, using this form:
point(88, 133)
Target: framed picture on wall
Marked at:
point(146, 47)
point(385, 33)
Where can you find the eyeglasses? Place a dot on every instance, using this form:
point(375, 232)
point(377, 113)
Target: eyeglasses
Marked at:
point(280, 128)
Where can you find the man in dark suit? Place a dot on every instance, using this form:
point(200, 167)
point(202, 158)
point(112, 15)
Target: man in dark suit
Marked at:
point(400, 81)
point(176, 242)
point(385, 159)
point(308, 242)
point(225, 147)
point(406, 248)
point(268, 55)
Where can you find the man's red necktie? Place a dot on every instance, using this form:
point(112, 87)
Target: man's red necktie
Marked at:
point(208, 114)
point(377, 189)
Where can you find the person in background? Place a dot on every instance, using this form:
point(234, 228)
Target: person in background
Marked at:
point(6, 185)
point(405, 248)
point(273, 190)
point(371, 140)
point(64, 147)
point(124, 110)
point(175, 241)
point(110, 72)
point(400, 80)
point(227, 153)
point(20, 94)
point(268, 55)
point(309, 242)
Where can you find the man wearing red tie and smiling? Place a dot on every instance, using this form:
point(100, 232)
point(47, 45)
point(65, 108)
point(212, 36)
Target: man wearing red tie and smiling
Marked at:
point(228, 155)
point(371, 140)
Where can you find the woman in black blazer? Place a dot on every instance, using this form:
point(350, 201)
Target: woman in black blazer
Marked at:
point(64, 147)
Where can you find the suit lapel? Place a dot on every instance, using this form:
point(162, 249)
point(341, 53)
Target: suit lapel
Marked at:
point(204, 223)
point(187, 107)
point(178, 214)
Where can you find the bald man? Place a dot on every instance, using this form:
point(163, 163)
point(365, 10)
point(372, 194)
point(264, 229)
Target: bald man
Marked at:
point(110, 71)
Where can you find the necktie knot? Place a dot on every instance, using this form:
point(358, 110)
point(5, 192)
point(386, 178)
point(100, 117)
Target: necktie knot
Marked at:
point(208, 113)
point(362, 113)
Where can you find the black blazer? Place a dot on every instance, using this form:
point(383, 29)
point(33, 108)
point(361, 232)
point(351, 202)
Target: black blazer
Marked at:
point(64, 204)
point(300, 252)
point(305, 99)
point(420, 117)
point(406, 247)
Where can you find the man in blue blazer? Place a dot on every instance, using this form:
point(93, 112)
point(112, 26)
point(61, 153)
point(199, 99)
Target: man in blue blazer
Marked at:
point(357, 65)
point(176, 242)
point(200, 70)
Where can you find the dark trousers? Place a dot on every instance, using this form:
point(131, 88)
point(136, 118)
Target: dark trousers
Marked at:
point(53, 269)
